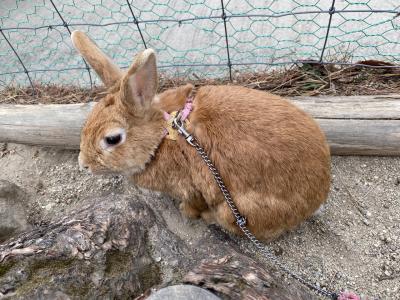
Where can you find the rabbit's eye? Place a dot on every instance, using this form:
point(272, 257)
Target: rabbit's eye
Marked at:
point(113, 140)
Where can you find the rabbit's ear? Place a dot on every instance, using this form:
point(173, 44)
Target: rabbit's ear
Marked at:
point(139, 85)
point(108, 72)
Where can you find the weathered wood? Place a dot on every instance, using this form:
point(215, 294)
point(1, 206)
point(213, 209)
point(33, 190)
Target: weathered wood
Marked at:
point(48, 125)
point(351, 107)
point(118, 247)
point(362, 137)
point(365, 125)
point(239, 277)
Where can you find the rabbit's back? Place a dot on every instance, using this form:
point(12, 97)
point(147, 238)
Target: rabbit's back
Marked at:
point(265, 148)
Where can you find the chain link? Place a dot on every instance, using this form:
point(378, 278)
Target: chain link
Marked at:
point(241, 220)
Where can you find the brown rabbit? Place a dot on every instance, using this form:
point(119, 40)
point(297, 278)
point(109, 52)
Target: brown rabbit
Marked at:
point(272, 156)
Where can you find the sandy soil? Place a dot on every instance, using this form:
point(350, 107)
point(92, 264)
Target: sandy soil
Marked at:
point(354, 243)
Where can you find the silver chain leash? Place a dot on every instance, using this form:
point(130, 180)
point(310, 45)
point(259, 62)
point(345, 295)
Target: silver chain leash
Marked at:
point(241, 220)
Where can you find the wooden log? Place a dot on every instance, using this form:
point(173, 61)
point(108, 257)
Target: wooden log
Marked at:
point(48, 125)
point(364, 125)
point(351, 107)
point(239, 277)
point(362, 137)
point(118, 247)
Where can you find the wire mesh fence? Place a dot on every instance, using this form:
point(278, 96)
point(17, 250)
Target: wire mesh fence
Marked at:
point(193, 38)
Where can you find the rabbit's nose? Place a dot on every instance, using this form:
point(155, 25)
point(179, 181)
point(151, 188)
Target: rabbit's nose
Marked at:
point(82, 165)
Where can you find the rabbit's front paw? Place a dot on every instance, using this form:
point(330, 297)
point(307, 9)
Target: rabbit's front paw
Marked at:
point(188, 210)
point(208, 216)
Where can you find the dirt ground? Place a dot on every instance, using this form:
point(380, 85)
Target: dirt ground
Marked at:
point(354, 243)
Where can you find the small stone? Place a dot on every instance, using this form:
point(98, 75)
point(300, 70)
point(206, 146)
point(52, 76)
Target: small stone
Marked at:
point(366, 222)
point(387, 273)
point(368, 214)
point(158, 259)
point(174, 263)
point(48, 206)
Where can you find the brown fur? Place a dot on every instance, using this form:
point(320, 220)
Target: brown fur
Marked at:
point(272, 156)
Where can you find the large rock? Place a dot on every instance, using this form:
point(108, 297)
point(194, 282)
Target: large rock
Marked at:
point(13, 216)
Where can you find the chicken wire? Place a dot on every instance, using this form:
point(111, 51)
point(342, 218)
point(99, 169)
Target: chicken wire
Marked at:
point(192, 38)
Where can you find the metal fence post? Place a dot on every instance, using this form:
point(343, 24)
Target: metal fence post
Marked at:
point(20, 60)
point(66, 26)
point(223, 16)
point(331, 12)
point(137, 23)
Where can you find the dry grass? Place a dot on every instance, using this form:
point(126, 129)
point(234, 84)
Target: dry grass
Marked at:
point(46, 94)
point(305, 79)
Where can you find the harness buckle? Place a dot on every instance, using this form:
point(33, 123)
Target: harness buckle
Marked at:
point(178, 125)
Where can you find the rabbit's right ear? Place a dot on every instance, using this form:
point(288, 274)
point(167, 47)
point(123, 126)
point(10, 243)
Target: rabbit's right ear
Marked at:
point(108, 72)
point(139, 85)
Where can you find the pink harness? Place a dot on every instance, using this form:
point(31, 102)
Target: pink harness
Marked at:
point(182, 114)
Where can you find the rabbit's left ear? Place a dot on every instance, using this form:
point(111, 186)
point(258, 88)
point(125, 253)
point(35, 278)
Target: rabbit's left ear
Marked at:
point(108, 72)
point(139, 85)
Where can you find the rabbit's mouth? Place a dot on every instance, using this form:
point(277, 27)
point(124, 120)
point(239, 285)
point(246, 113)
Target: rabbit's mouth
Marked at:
point(105, 171)
point(111, 171)
point(100, 171)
